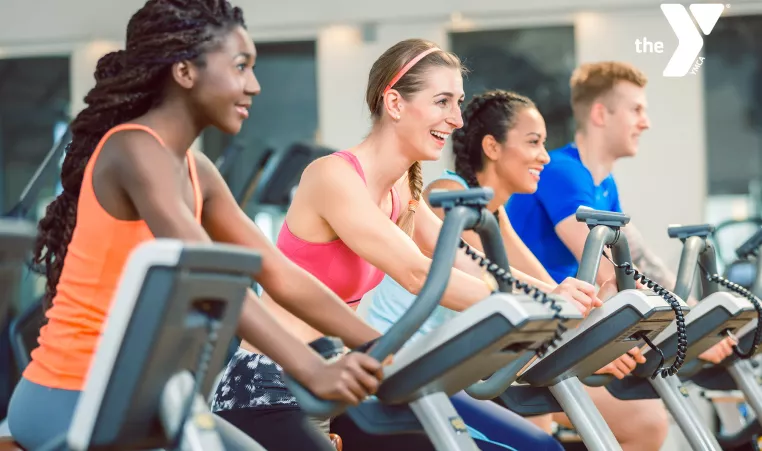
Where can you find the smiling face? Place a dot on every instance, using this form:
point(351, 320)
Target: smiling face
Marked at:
point(502, 143)
point(521, 157)
point(428, 117)
point(626, 119)
point(609, 103)
point(415, 90)
point(225, 83)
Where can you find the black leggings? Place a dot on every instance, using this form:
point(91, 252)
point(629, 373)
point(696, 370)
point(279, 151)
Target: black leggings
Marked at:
point(279, 429)
point(355, 438)
point(285, 429)
point(290, 429)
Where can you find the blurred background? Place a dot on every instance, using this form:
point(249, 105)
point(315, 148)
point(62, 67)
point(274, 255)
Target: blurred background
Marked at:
point(700, 162)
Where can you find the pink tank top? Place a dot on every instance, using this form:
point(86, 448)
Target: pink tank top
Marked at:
point(333, 263)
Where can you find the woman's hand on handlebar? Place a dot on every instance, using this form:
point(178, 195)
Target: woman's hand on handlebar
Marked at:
point(579, 293)
point(349, 379)
point(718, 352)
point(608, 289)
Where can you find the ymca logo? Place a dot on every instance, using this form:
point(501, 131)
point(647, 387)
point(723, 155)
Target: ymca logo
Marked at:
point(690, 40)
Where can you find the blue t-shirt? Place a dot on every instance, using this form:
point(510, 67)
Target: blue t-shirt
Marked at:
point(565, 185)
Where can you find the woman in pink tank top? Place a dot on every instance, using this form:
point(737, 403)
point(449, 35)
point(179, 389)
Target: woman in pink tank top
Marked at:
point(356, 216)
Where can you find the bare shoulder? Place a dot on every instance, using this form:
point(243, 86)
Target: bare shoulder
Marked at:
point(211, 181)
point(133, 140)
point(134, 149)
point(329, 172)
point(443, 184)
point(132, 156)
point(204, 165)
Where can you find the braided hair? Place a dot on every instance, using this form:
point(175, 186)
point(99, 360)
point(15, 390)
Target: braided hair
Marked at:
point(491, 113)
point(128, 83)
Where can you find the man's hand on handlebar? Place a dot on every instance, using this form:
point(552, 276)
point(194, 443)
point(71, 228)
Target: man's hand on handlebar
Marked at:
point(624, 365)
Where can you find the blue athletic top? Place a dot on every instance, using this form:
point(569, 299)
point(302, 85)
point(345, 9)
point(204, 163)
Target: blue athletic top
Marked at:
point(565, 185)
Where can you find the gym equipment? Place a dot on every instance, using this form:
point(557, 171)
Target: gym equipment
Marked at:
point(225, 162)
point(751, 249)
point(15, 290)
point(175, 309)
point(554, 382)
point(484, 338)
point(47, 170)
point(709, 322)
point(269, 189)
point(726, 233)
point(25, 323)
point(17, 238)
point(23, 332)
point(281, 174)
point(736, 372)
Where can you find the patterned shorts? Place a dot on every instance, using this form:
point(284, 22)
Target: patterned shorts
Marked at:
point(254, 380)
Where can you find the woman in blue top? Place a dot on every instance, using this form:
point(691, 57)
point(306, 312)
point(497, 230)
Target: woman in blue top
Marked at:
point(502, 146)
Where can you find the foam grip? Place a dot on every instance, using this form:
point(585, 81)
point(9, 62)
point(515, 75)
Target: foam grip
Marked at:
point(597, 380)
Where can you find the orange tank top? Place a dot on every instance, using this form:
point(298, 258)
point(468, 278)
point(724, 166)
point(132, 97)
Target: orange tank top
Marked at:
point(99, 248)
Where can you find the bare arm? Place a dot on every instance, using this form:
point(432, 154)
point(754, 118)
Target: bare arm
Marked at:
point(339, 197)
point(655, 268)
point(426, 235)
point(289, 285)
point(147, 175)
point(520, 254)
point(428, 222)
point(427, 228)
point(648, 262)
point(573, 234)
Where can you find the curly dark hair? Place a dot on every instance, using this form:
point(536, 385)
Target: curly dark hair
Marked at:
point(491, 113)
point(128, 83)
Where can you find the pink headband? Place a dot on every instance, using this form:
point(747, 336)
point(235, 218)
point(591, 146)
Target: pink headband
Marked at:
point(407, 67)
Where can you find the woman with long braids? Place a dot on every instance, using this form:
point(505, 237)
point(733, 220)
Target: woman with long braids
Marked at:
point(128, 178)
point(356, 215)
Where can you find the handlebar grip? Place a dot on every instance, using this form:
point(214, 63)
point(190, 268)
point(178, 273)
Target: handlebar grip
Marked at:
point(598, 380)
point(500, 380)
point(310, 403)
point(750, 246)
point(600, 217)
point(685, 231)
point(459, 218)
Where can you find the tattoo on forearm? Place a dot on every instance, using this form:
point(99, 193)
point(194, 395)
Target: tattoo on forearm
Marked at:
point(645, 260)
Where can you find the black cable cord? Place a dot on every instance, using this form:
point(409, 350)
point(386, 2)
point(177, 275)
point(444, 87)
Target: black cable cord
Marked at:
point(682, 336)
point(732, 286)
point(660, 366)
point(505, 275)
